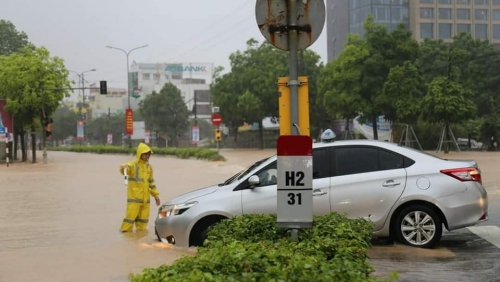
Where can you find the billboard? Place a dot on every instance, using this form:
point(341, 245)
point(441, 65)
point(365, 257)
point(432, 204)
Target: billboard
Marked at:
point(6, 120)
point(200, 68)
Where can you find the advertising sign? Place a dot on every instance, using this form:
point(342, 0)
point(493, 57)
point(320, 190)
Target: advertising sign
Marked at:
point(79, 130)
point(110, 138)
point(6, 123)
point(195, 131)
point(129, 122)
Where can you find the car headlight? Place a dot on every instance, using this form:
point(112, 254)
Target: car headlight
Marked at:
point(169, 210)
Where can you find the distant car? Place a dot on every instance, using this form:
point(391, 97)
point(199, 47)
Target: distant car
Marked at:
point(408, 194)
point(464, 143)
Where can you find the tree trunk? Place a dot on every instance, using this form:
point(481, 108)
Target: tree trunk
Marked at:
point(16, 140)
point(24, 151)
point(346, 130)
point(33, 145)
point(235, 145)
point(375, 131)
point(446, 138)
point(261, 136)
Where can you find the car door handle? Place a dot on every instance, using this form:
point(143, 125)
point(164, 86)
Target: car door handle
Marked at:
point(318, 193)
point(391, 183)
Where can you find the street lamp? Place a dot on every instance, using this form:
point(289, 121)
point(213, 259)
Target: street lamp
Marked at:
point(127, 53)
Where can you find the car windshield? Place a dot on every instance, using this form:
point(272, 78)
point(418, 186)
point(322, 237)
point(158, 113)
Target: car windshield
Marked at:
point(242, 173)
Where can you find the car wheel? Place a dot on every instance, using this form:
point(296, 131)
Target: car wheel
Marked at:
point(203, 235)
point(157, 236)
point(418, 226)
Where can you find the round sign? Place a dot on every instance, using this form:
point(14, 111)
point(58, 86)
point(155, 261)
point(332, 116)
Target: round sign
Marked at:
point(216, 119)
point(272, 20)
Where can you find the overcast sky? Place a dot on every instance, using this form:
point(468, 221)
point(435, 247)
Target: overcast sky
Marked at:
point(175, 30)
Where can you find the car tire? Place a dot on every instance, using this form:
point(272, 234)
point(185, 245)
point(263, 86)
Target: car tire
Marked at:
point(203, 235)
point(157, 236)
point(418, 226)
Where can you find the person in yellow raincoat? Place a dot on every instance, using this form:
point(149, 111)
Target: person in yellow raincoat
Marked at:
point(141, 186)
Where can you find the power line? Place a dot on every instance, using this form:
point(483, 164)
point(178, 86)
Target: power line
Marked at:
point(217, 36)
point(204, 31)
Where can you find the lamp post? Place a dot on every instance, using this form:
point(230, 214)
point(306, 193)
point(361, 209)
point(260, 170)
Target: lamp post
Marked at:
point(127, 53)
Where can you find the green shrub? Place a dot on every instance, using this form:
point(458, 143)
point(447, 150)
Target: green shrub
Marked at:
point(252, 248)
point(183, 153)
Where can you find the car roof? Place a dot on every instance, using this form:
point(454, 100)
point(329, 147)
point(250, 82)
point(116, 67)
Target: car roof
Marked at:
point(355, 142)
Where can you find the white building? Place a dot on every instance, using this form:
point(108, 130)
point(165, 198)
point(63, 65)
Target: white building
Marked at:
point(191, 78)
point(115, 102)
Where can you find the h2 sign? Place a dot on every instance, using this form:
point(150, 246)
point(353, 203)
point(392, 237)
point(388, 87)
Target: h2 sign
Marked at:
point(295, 204)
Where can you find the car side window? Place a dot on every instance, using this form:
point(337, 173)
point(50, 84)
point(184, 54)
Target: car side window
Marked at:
point(389, 160)
point(268, 176)
point(353, 160)
point(321, 167)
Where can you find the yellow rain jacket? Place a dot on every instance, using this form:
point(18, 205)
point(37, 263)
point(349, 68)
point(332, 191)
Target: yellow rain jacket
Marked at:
point(141, 186)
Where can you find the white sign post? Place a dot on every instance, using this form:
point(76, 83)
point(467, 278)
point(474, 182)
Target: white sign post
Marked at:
point(295, 203)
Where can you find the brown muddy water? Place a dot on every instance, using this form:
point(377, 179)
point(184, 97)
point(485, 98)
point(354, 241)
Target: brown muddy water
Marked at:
point(60, 221)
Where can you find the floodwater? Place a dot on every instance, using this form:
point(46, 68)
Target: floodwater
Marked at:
point(60, 221)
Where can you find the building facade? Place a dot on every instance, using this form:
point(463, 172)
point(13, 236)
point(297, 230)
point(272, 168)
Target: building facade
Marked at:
point(425, 18)
point(192, 79)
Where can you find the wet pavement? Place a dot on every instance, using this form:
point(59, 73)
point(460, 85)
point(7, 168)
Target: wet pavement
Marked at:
point(59, 222)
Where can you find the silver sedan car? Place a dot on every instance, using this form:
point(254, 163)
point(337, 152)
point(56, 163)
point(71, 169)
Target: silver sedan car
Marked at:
point(408, 195)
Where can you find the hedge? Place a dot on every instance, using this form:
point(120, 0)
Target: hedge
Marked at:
point(183, 153)
point(251, 248)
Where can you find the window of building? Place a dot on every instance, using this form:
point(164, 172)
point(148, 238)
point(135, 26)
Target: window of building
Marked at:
point(463, 2)
point(463, 14)
point(481, 14)
point(156, 76)
point(397, 14)
point(496, 31)
point(146, 76)
point(381, 13)
point(426, 1)
point(496, 2)
point(444, 14)
point(176, 75)
point(463, 28)
point(444, 1)
point(481, 2)
point(481, 31)
point(427, 13)
point(445, 30)
point(496, 15)
point(426, 30)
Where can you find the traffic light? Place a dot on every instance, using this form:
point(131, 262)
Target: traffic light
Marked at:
point(218, 136)
point(103, 87)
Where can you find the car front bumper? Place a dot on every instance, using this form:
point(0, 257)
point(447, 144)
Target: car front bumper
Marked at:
point(174, 229)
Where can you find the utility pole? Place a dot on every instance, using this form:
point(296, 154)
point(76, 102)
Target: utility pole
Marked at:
point(81, 82)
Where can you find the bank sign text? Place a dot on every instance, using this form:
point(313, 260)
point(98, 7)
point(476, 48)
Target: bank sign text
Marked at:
point(186, 68)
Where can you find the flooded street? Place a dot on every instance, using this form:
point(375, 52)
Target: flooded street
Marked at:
point(60, 221)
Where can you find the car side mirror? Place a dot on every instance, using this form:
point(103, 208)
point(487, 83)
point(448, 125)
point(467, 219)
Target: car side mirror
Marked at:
point(253, 180)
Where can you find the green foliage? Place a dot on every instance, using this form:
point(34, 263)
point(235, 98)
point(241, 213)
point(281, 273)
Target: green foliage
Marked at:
point(98, 129)
point(184, 153)
point(65, 120)
point(11, 40)
point(447, 102)
point(252, 248)
point(249, 92)
point(28, 79)
point(166, 112)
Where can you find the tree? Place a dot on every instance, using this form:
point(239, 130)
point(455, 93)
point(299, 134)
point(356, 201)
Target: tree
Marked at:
point(447, 102)
point(338, 84)
point(28, 81)
point(11, 40)
point(65, 120)
point(166, 113)
point(254, 73)
point(99, 128)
